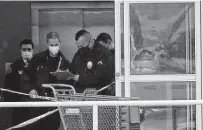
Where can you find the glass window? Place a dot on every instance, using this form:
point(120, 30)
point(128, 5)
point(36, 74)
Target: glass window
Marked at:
point(98, 21)
point(162, 38)
point(170, 117)
point(174, 118)
point(164, 90)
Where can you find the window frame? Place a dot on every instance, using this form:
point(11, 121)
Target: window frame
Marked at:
point(127, 78)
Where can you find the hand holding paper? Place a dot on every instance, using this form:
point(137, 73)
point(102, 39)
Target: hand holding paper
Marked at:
point(63, 75)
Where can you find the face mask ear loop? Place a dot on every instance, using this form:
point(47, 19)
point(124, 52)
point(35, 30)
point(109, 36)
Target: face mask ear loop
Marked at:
point(59, 64)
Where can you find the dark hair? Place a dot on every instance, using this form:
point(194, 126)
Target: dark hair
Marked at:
point(80, 33)
point(53, 35)
point(27, 42)
point(104, 37)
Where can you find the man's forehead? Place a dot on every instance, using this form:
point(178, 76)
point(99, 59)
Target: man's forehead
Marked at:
point(85, 37)
point(26, 46)
point(53, 41)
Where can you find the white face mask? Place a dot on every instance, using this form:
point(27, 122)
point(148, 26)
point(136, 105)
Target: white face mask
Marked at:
point(54, 49)
point(26, 55)
point(111, 46)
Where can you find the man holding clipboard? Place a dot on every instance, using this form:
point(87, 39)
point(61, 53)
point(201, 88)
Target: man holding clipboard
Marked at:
point(91, 64)
point(40, 71)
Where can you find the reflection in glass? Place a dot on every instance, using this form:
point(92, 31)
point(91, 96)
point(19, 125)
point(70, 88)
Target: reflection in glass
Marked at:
point(170, 117)
point(162, 38)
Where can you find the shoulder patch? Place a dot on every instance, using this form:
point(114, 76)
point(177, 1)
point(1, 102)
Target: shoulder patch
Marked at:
point(100, 62)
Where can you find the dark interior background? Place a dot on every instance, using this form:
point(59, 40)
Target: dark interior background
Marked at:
point(15, 25)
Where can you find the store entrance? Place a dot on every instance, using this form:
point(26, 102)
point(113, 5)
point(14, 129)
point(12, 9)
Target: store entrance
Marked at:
point(158, 63)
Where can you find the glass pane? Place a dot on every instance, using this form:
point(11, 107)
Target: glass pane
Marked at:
point(164, 90)
point(66, 23)
point(162, 38)
point(98, 21)
point(122, 89)
point(122, 39)
point(169, 117)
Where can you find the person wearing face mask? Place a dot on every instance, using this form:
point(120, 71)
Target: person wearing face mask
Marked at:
point(91, 64)
point(105, 40)
point(17, 79)
point(39, 70)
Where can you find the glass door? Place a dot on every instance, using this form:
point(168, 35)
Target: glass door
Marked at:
point(161, 59)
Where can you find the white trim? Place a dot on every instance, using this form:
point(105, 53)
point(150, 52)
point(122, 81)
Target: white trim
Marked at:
point(127, 47)
point(155, 103)
point(162, 78)
point(121, 78)
point(201, 39)
point(72, 5)
point(168, 91)
point(161, 1)
point(64, 0)
point(95, 117)
point(198, 65)
point(117, 48)
point(188, 64)
point(118, 88)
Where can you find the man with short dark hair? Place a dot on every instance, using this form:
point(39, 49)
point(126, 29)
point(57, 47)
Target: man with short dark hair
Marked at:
point(17, 70)
point(106, 40)
point(47, 61)
point(91, 64)
point(17, 78)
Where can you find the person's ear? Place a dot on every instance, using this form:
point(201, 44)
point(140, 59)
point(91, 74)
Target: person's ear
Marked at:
point(91, 44)
point(47, 45)
point(61, 42)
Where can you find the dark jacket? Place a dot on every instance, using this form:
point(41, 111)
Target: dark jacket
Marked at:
point(40, 67)
point(96, 76)
point(16, 79)
point(113, 66)
point(111, 90)
point(39, 73)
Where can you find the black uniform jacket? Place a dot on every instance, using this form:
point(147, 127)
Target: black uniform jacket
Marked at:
point(40, 67)
point(39, 73)
point(15, 79)
point(94, 68)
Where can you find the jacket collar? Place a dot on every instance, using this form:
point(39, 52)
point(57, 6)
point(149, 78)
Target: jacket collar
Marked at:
point(58, 55)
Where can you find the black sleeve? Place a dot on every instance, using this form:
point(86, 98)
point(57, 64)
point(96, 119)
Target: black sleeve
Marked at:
point(11, 82)
point(102, 73)
point(8, 97)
